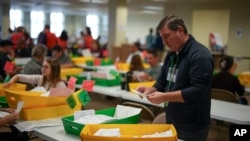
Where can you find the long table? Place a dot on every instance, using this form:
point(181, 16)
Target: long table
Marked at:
point(220, 110)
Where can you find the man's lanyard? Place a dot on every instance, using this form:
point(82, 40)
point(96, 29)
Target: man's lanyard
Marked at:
point(172, 71)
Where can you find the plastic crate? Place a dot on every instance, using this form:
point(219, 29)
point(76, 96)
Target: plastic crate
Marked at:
point(135, 85)
point(76, 128)
point(70, 71)
point(3, 102)
point(37, 107)
point(15, 86)
point(107, 82)
point(47, 112)
point(81, 60)
point(244, 78)
point(129, 132)
point(122, 66)
point(104, 62)
point(32, 99)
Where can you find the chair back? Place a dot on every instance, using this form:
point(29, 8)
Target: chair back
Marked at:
point(224, 95)
point(160, 119)
point(146, 113)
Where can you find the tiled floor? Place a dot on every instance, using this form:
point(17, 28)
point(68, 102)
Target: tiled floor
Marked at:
point(101, 102)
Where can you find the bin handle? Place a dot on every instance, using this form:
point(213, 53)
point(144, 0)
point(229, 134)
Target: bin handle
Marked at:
point(74, 127)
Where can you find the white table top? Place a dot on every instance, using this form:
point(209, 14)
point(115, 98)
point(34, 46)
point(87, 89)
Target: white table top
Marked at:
point(231, 112)
point(56, 133)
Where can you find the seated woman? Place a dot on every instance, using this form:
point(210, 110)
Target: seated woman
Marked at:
point(50, 77)
point(227, 81)
point(136, 68)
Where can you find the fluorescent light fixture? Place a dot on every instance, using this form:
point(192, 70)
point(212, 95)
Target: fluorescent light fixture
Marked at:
point(99, 1)
point(84, 0)
point(153, 8)
point(61, 3)
point(25, 3)
point(160, 0)
point(149, 12)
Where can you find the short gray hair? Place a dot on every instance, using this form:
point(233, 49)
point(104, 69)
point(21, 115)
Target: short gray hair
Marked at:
point(39, 51)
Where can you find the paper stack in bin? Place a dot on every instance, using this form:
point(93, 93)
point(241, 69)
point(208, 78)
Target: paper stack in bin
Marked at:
point(73, 126)
point(129, 132)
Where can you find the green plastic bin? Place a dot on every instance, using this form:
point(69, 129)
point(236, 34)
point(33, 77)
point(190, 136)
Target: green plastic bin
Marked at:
point(107, 82)
point(74, 128)
point(3, 102)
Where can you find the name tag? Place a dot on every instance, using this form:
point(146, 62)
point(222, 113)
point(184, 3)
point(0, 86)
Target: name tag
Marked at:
point(172, 73)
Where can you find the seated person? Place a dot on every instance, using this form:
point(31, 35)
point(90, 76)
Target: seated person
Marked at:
point(6, 52)
point(96, 49)
point(63, 59)
point(153, 72)
point(50, 77)
point(136, 68)
point(134, 50)
point(34, 66)
point(8, 119)
point(226, 80)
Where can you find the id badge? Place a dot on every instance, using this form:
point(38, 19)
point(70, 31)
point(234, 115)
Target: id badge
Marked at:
point(171, 76)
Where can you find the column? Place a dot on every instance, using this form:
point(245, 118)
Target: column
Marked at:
point(117, 23)
point(5, 19)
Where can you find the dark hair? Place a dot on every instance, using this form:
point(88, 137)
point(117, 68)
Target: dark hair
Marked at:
point(153, 52)
point(57, 48)
point(47, 26)
point(88, 30)
point(64, 35)
point(173, 22)
point(226, 62)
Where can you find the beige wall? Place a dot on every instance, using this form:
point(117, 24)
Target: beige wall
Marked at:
point(239, 19)
point(205, 22)
point(138, 26)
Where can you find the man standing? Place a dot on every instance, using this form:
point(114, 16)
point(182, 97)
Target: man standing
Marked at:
point(185, 81)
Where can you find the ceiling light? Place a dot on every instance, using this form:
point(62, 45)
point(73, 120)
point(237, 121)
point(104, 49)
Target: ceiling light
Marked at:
point(99, 1)
point(149, 11)
point(153, 8)
point(61, 3)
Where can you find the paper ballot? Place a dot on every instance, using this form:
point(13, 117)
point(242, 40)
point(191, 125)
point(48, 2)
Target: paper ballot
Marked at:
point(139, 93)
point(19, 106)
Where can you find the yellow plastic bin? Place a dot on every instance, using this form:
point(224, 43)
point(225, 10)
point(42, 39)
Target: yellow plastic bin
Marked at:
point(244, 78)
point(74, 128)
point(135, 85)
point(47, 112)
point(16, 86)
point(32, 99)
point(81, 60)
point(70, 71)
point(122, 66)
point(129, 132)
